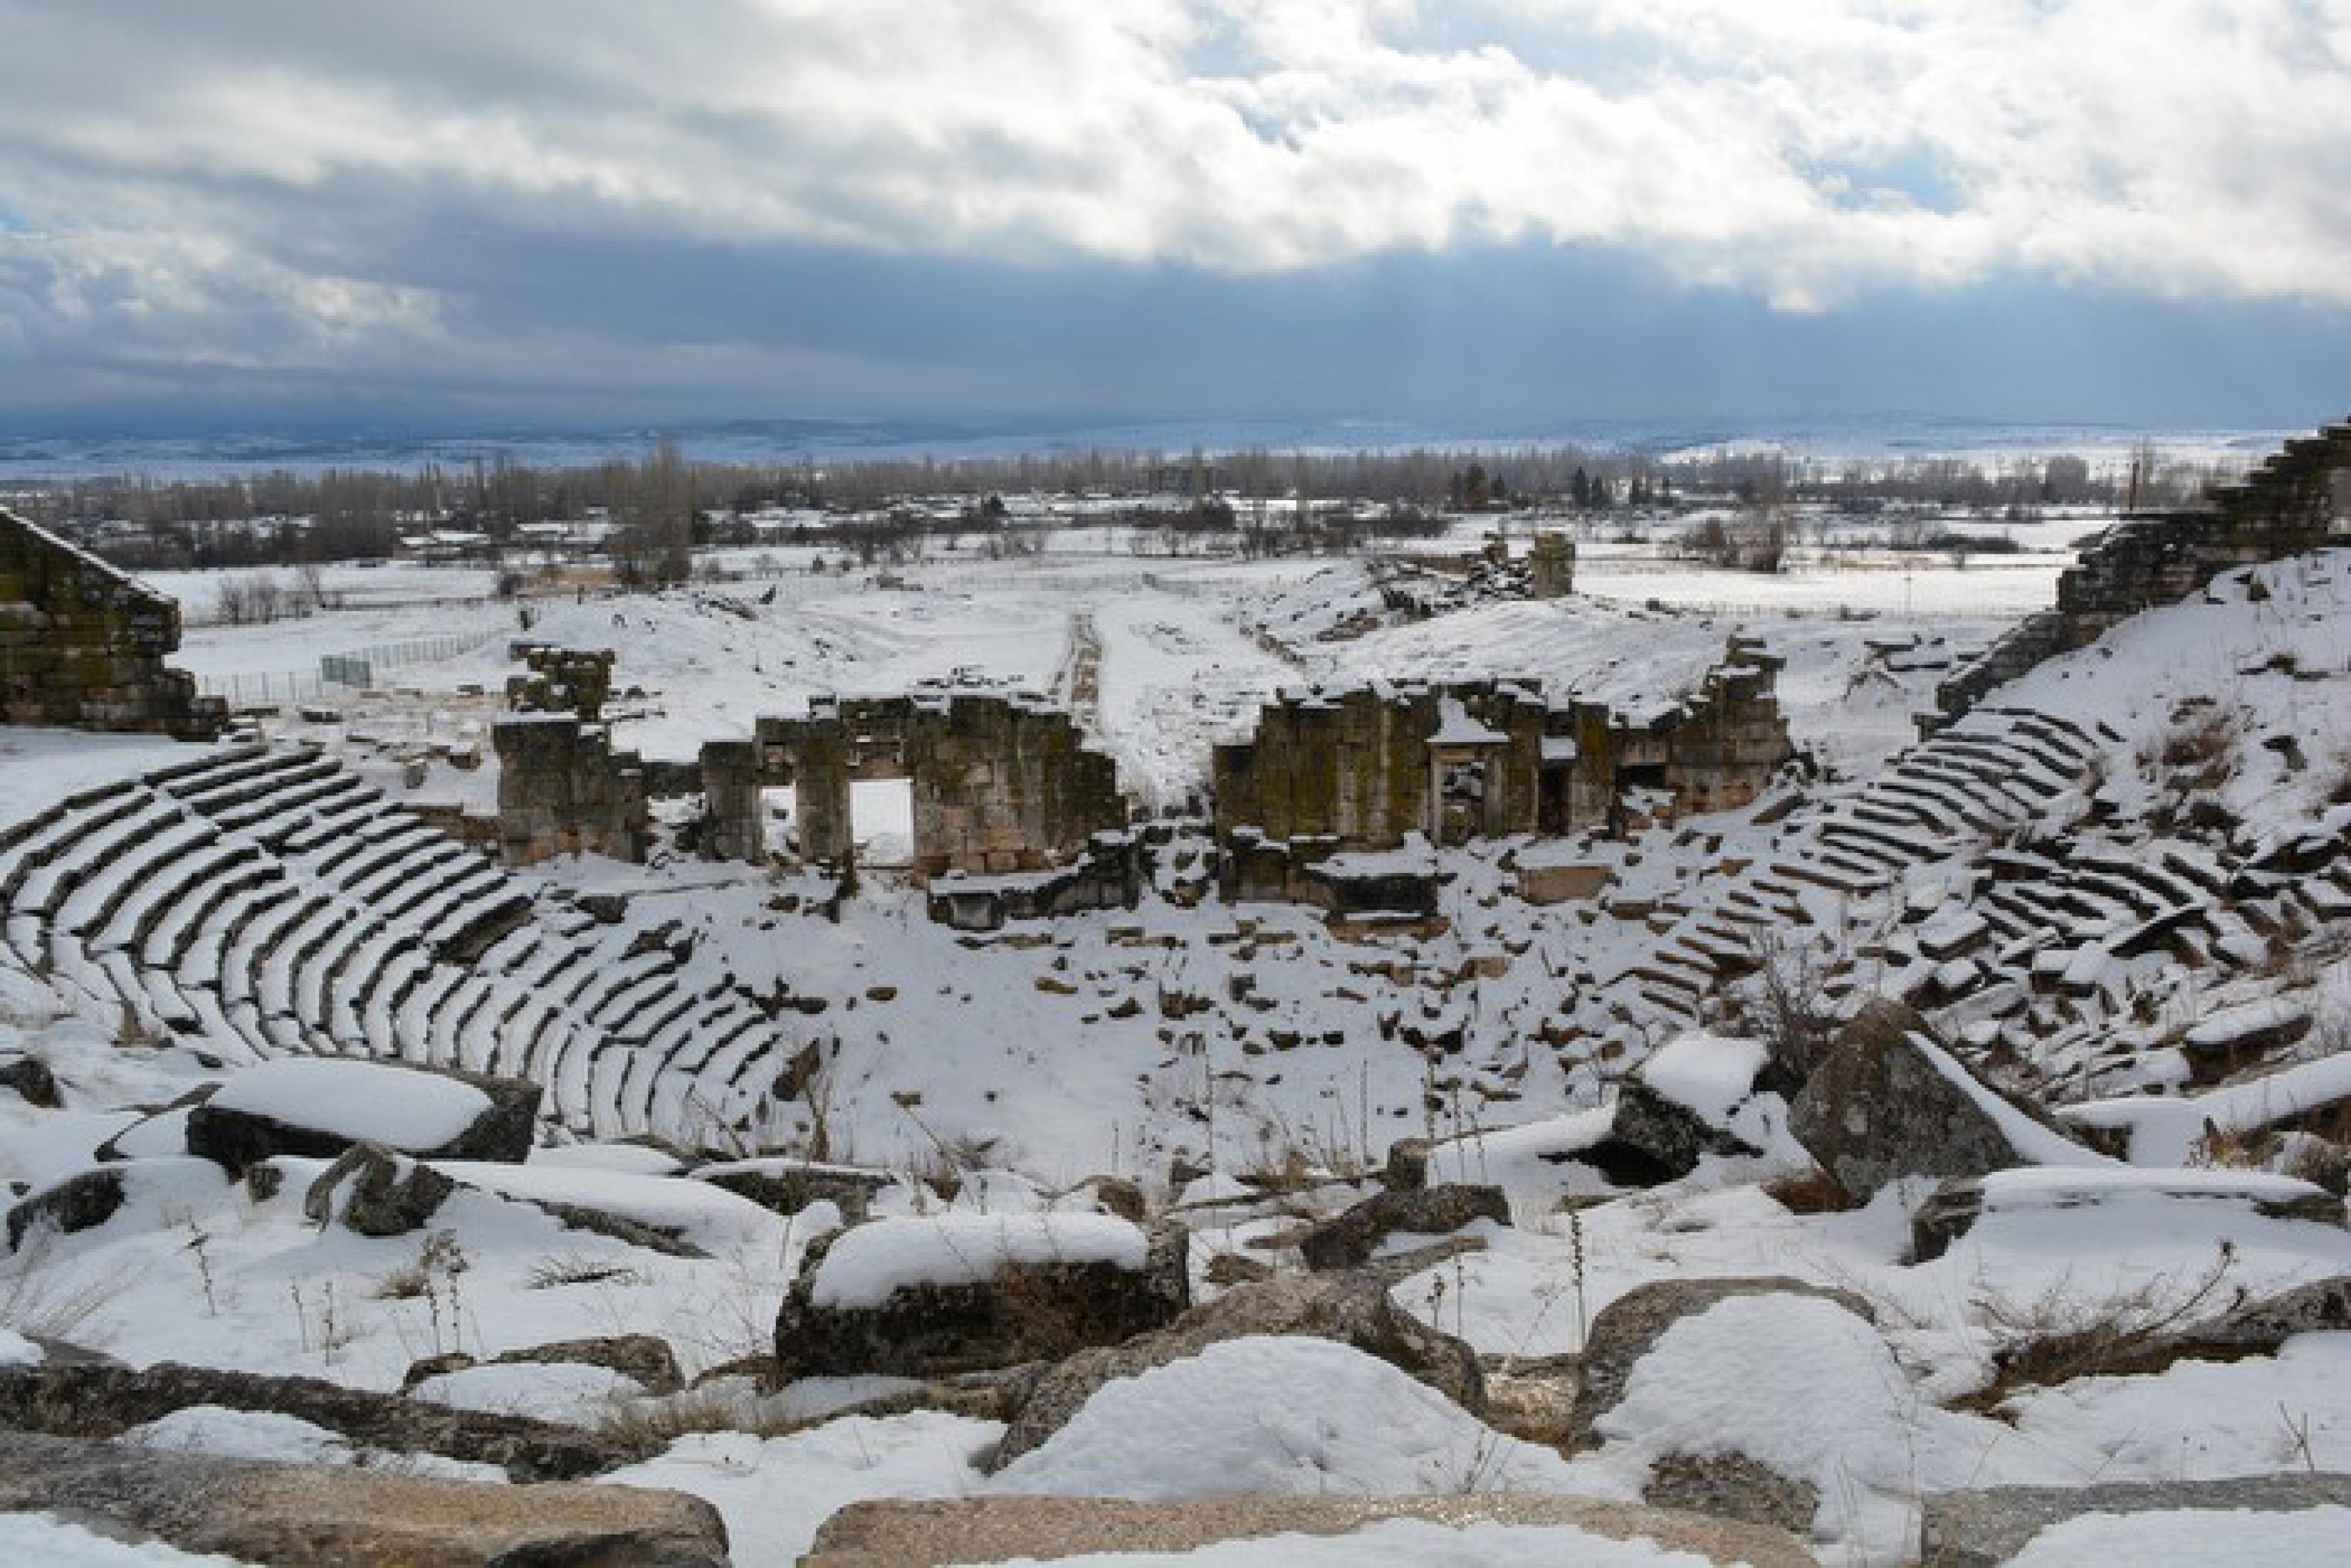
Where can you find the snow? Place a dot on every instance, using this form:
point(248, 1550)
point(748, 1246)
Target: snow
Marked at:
point(1411, 1543)
point(774, 1492)
point(1455, 727)
point(2165, 1130)
point(1806, 1387)
point(2193, 1538)
point(41, 766)
point(1208, 1038)
point(16, 1350)
point(1710, 1074)
point(55, 1543)
point(1281, 1417)
point(632, 1159)
point(870, 1262)
point(2205, 1420)
point(242, 1434)
point(2014, 1191)
point(550, 1391)
point(412, 1112)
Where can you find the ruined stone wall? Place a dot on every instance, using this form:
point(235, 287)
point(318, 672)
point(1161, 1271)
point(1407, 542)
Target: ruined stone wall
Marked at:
point(734, 825)
point(576, 681)
point(562, 790)
point(1360, 770)
point(1358, 767)
point(1716, 750)
point(2289, 505)
point(999, 784)
point(82, 644)
point(1550, 567)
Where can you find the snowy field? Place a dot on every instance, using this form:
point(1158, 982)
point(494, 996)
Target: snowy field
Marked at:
point(1182, 666)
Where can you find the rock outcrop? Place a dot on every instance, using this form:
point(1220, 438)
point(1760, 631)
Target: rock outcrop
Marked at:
point(995, 1528)
point(647, 1359)
point(1981, 1529)
point(388, 1196)
point(1889, 1100)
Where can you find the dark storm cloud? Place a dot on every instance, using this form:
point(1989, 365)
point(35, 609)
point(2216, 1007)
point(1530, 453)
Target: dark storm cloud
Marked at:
point(1303, 206)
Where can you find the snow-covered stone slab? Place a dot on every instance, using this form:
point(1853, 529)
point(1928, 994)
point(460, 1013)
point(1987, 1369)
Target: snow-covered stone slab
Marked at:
point(2164, 1130)
point(1957, 1205)
point(963, 1291)
point(2289, 1517)
point(1277, 1414)
point(2229, 1038)
point(146, 1192)
point(1321, 1531)
point(321, 1107)
point(258, 1511)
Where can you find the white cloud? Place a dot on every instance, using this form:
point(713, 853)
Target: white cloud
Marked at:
point(1807, 151)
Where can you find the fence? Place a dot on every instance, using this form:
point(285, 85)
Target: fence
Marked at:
point(339, 673)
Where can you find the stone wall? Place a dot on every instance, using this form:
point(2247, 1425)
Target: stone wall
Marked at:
point(999, 784)
point(1364, 767)
point(734, 824)
point(1359, 771)
point(2293, 502)
point(1550, 567)
point(1716, 750)
point(562, 790)
point(576, 681)
point(82, 644)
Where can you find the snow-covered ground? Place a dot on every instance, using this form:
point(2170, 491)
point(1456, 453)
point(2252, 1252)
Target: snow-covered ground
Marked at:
point(1189, 1046)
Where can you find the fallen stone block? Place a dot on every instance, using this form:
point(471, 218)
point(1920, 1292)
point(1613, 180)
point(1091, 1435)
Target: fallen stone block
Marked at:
point(1981, 1529)
point(1955, 1207)
point(100, 1400)
point(1350, 1239)
point(1627, 1328)
point(267, 1512)
point(995, 1529)
point(961, 1293)
point(321, 1107)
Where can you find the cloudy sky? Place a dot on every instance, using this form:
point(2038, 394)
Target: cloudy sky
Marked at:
point(540, 211)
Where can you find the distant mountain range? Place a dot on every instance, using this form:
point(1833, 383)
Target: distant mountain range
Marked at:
point(26, 460)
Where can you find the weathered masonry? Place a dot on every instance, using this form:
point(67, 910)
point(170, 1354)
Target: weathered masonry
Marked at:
point(562, 790)
point(1714, 750)
point(82, 644)
point(1362, 770)
point(577, 681)
point(1550, 567)
point(2297, 499)
point(999, 784)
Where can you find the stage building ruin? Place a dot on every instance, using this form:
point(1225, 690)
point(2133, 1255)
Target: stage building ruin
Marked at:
point(1333, 780)
point(999, 784)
